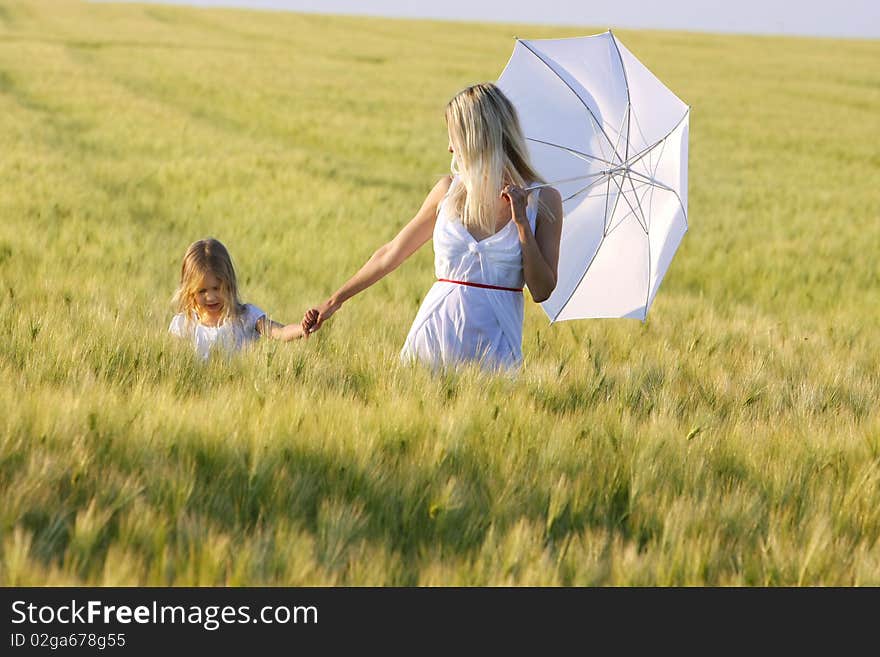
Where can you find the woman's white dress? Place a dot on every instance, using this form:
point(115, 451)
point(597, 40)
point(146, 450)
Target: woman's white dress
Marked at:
point(459, 323)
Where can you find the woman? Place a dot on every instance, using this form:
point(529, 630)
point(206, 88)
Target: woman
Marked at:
point(490, 236)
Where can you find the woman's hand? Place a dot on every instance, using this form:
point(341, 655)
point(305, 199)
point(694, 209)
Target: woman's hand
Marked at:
point(314, 317)
point(308, 321)
point(517, 198)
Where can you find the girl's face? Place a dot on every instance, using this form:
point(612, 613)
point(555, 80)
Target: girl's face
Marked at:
point(210, 301)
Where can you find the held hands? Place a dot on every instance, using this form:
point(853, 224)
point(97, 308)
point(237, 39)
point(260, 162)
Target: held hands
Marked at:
point(314, 317)
point(308, 320)
point(517, 198)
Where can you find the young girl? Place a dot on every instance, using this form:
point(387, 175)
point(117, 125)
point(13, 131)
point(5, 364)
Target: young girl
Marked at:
point(209, 312)
point(490, 236)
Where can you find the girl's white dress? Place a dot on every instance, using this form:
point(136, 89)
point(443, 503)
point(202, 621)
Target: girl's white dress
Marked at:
point(460, 323)
point(230, 336)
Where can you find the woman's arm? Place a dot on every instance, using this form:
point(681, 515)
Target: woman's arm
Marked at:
point(540, 249)
point(388, 256)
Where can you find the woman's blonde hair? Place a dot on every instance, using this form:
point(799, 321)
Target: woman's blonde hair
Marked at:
point(489, 151)
point(201, 258)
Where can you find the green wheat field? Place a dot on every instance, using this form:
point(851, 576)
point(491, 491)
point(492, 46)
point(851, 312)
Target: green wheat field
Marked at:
point(732, 439)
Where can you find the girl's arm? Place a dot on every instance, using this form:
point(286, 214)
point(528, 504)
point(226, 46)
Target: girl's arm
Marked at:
point(540, 249)
point(387, 257)
point(285, 332)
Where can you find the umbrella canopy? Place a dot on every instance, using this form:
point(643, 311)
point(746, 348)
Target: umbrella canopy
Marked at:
point(605, 132)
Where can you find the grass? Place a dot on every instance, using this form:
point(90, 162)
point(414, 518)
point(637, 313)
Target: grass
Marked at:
point(733, 439)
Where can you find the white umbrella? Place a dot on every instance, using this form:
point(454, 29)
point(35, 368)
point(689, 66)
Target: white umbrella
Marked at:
point(614, 141)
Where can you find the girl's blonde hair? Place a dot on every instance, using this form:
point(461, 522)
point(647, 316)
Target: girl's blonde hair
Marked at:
point(489, 152)
point(201, 258)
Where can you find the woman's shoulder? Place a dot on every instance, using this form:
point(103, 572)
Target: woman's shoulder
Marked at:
point(439, 193)
point(444, 184)
point(550, 194)
point(549, 202)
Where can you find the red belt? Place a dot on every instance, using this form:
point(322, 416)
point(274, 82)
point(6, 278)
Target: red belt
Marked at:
point(481, 285)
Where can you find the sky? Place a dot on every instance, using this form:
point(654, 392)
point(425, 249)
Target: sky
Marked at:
point(832, 18)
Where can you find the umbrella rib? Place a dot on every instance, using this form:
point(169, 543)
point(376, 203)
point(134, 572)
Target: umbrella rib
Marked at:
point(647, 191)
point(644, 221)
point(620, 134)
point(652, 188)
point(654, 172)
point(641, 132)
point(680, 121)
point(659, 157)
point(571, 150)
point(648, 294)
point(644, 140)
point(600, 194)
point(638, 156)
point(651, 181)
point(576, 95)
point(564, 180)
point(631, 213)
point(628, 97)
point(667, 188)
point(641, 154)
point(620, 188)
point(582, 190)
point(605, 216)
point(617, 225)
point(616, 199)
